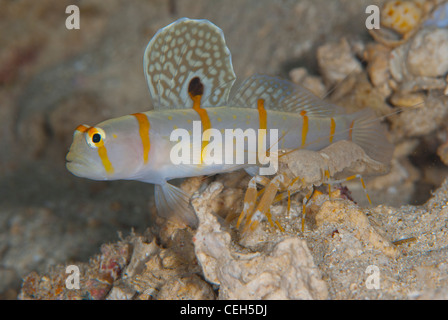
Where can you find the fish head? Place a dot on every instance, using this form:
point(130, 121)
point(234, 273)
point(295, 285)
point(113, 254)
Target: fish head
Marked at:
point(108, 151)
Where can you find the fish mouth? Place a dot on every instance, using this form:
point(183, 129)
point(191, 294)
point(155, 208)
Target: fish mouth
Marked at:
point(83, 168)
point(75, 165)
point(69, 157)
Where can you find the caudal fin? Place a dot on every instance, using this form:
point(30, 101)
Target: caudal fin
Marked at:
point(370, 134)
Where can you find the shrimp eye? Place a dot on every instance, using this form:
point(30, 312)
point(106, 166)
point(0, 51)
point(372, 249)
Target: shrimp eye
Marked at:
point(95, 137)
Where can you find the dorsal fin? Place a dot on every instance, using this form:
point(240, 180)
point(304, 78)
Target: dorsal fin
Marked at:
point(282, 95)
point(182, 51)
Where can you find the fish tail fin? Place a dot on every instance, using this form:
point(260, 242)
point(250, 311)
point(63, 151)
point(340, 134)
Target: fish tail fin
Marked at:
point(370, 134)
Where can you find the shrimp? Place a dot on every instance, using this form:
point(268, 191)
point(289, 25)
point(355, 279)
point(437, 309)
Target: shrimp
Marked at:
point(302, 170)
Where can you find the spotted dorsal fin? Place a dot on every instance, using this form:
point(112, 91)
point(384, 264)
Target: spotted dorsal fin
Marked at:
point(281, 95)
point(182, 51)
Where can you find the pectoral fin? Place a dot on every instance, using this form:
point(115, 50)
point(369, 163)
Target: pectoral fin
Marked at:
point(173, 203)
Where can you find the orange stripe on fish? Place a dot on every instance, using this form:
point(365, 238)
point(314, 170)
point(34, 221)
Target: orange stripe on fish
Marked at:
point(196, 90)
point(350, 130)
point(82, 128)
point(144, 126)
point(262, 114)
point(304, 126)
point(332, 129)
point(102, 151)
point(263, 119)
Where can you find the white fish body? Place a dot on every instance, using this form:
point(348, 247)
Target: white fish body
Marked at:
point(189, 73)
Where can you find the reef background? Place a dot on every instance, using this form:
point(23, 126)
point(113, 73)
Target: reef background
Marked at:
point(53, 79)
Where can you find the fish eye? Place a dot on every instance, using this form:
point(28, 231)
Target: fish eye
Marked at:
point(95, 137)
